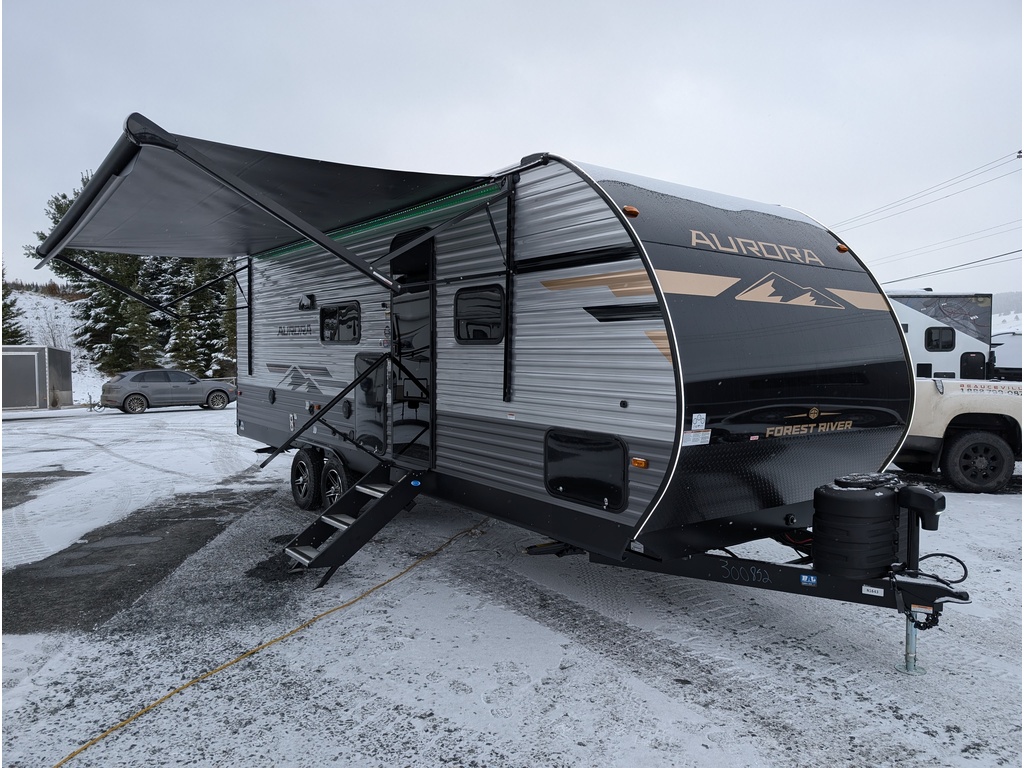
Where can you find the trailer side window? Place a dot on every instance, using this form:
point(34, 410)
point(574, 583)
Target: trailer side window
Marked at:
point(480, 315)
point(939, 339)
point(340, 324)
point(586, 467)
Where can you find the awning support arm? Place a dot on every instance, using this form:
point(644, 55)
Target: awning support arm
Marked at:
point(204, 286)
point(154, 305)
point(117, 286)
point(143, 131)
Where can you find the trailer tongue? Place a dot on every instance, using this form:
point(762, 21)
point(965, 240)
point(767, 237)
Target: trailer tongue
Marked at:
point(642, 371)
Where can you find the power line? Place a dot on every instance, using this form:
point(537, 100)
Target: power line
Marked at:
point(958, 268)
point(929, 202)
point(921, 250)
point(935, 188)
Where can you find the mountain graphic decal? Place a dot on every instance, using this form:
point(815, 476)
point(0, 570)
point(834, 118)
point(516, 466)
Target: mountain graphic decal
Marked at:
point(299, 379)
point(775, 289)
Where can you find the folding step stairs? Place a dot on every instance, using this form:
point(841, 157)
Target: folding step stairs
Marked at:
point(355, 518)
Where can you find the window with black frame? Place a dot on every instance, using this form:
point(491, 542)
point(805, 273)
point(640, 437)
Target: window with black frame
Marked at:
point(480, 315)
point(340, 323)
point(939, 339)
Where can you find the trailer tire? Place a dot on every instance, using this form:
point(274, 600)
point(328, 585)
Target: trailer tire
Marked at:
point(978, 462)
point(334, 481)
point(135, 403)
point(217, 400)
point(307, 467)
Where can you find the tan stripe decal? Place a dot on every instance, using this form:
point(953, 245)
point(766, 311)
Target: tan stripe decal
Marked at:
point(694, 283)
point(862, 299)
point(660, 339)
point(632, 283)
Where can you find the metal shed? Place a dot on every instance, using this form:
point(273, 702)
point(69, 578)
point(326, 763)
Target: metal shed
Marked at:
point(36, 377)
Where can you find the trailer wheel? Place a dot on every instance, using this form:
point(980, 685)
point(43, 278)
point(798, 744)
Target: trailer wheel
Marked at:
point(334, 481)
point(307, 467)
point(135, 404)
point(217, 400)
point(978, 462)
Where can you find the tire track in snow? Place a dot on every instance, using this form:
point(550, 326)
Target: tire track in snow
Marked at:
point(795, 694)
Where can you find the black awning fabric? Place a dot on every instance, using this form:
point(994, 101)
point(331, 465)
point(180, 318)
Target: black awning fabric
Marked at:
point(148, 198)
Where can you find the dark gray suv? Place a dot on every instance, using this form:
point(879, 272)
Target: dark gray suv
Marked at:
point(135, 391)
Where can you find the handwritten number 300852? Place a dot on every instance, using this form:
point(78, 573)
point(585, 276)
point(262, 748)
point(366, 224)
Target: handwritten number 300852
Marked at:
point(748, 574)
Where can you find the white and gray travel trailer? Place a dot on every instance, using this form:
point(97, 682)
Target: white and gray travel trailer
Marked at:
point(638, 370)
point(949, 334)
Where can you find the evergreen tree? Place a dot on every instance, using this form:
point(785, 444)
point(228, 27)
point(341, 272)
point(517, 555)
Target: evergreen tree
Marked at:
point(13, 331)
point(225, 363)
point(183, 349)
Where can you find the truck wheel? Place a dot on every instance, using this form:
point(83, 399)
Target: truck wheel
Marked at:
point(978, 462)
point(307, 466)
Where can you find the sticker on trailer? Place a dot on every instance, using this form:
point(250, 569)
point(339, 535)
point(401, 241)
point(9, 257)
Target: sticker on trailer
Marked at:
point(700, 420)
point(808, 580)
point(874, 591)
point(697, 437)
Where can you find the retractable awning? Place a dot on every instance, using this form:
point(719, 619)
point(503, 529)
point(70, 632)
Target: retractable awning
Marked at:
point(160, 194)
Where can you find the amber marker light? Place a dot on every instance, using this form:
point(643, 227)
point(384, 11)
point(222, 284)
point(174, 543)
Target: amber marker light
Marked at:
point(640, 463)
point(631, 211)
point(842, 248)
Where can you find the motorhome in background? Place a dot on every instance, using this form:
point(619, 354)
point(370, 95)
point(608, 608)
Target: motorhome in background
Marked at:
point(949, 334)
point(639, 370)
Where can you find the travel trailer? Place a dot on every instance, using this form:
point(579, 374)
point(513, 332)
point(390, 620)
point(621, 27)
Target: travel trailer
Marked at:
point(949, 334)
point(637, 370)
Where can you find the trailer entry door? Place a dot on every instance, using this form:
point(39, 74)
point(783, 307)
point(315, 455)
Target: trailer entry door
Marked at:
point(412, 339)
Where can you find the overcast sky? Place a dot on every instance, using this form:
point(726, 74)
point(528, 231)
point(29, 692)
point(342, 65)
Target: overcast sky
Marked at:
point(834, 108)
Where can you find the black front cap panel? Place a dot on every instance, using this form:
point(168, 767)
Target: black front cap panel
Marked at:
point(794, 370)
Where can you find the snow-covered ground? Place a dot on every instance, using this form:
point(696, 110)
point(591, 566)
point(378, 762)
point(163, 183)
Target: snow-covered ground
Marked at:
point(481, 655)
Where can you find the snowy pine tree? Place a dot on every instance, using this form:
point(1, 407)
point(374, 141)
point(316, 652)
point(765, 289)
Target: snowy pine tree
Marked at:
point(13, 331)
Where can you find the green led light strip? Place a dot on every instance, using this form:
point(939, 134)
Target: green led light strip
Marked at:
point(440, 204)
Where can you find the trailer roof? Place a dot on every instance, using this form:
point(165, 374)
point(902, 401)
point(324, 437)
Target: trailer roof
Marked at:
point(155, 194)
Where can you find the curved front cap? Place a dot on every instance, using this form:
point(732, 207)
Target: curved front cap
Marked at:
point(792, 366)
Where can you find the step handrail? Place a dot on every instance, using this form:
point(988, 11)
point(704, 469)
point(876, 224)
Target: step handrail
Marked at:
point(319, 415)
point(325, 410)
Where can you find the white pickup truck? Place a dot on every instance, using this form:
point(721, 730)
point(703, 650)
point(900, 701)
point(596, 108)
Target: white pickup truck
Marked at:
point(967, 429)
